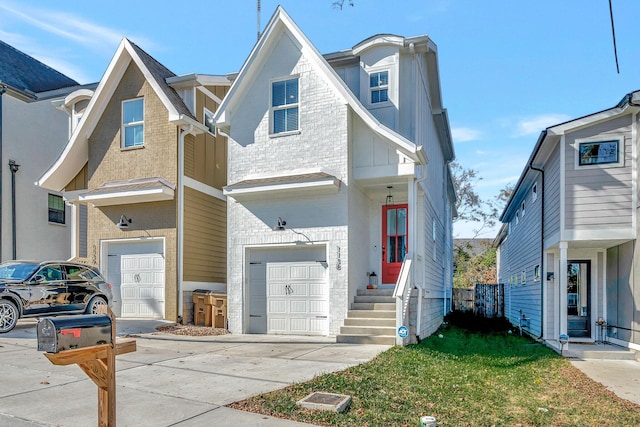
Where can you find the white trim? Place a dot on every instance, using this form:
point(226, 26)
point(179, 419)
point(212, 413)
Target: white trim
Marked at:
point(626, 344)
point(126, 197)
point(330, 184)
point(124, 126)
point(204, 188)
point(208, 93)
point(205, 110)
point(634, 171)
point(387, 87)
point(563, 190)
point(273, 109)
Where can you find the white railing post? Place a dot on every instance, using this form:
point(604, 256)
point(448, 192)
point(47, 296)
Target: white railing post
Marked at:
point(402, 293)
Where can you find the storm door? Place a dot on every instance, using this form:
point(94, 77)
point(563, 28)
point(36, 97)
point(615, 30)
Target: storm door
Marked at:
point(395, 234)
point(578, 299)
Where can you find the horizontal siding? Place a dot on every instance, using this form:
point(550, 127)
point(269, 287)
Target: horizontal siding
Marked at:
point(552, 193)
point(521, 252)
point(205, 238)
point(609, 186)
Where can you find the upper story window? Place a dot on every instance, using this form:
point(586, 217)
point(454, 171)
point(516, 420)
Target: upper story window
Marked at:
point(208, 122)
point(56, 209)
point(284, 105)
point(522, 208)
point(379, 87)
point(133, 123)
point(517, 217)
point(604, 152)
point(534, 192)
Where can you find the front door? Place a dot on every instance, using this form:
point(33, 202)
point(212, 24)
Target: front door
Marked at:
point(578, 300)
point(395, 233)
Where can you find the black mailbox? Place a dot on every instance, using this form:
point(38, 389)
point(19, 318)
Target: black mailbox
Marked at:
point(68, 332)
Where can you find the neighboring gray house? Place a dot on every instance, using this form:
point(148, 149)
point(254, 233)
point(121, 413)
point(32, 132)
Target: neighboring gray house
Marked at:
point(567, 251)
point(328, 183)
point(32, 135)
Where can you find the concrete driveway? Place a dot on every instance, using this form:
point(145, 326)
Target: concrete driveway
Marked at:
point(169, 381)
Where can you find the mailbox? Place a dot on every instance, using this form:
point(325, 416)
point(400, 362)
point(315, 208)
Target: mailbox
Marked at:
point(69, 332)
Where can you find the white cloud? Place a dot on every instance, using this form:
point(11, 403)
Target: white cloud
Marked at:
point(69, 26)
point(465, 134)
point(534, 125)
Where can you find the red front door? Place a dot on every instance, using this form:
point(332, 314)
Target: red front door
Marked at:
point(394, 240)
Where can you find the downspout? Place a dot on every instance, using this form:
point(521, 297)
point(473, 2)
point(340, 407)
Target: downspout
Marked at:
point(418, 181)
point(541, 251)
point(3, 89)
point(180, 230)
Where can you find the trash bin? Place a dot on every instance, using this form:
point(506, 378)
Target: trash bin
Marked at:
point(210, 308)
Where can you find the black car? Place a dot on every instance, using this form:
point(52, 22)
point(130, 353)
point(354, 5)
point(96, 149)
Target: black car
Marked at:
point(30, 288)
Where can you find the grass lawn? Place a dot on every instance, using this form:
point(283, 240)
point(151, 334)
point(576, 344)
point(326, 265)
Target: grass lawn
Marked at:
point(464, 378)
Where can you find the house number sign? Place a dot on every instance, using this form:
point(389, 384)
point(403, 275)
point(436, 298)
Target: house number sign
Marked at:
point(338, 260)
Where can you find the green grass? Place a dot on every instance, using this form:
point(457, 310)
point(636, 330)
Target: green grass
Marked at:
point(463, 379)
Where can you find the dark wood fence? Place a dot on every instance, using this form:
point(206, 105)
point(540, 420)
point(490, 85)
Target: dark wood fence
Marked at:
point(463, 299)
point(489, 300)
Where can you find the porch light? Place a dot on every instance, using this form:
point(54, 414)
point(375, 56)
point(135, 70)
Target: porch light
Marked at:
point(124, 222)
point(389, 200)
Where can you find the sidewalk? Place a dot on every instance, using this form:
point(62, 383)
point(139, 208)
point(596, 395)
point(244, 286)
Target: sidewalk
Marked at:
point(169, 381)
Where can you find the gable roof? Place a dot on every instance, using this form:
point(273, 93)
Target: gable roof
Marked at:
point(551, 135)
point(76, 153)
point(281, 22)
point(26, 74)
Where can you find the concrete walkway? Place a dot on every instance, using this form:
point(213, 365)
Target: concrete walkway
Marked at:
point(169, 381)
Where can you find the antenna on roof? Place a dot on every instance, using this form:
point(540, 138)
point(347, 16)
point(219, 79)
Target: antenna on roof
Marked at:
point(258, 5)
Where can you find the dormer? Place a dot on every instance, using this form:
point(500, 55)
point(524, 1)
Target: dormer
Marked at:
point(75, 105)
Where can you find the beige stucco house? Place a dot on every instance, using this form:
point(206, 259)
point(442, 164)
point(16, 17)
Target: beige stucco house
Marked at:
point(144, 171)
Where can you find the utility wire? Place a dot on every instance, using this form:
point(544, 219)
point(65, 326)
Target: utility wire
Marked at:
point(613, 33)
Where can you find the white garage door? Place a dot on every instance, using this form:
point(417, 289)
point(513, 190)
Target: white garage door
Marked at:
point(142, 286)
point(297, 298)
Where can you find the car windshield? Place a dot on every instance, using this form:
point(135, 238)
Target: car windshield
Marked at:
point(16, 271)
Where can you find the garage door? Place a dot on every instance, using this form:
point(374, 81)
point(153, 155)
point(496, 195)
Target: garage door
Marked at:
point(142, 286)
point(297, 298)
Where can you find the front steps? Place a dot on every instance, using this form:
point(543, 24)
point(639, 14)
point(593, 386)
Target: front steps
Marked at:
point(371, 320)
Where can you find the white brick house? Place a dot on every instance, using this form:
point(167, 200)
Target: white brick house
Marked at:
point(322, 152)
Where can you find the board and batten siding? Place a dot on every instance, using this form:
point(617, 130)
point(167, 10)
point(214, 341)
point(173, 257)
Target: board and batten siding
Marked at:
point(521, 252)
point(597, 198)
point(205, 237)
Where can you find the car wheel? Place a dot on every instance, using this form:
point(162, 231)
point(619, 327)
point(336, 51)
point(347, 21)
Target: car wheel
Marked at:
point(94, 305)
point(8, 315)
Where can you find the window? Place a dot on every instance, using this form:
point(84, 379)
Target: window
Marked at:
point(208, 122)
point(534, 193)
point(379, 87)
point(56, 209)
point(523, 277)
point(536, 273)
point(522, 208)
point(517, 217)
point(133, 123)
point(598, 153)
point(284, 105)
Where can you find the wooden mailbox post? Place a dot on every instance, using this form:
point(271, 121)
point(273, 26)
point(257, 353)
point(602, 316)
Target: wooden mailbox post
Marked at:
point(99, 363)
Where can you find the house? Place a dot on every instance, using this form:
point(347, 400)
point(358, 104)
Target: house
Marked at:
point(567, 249)
point(338, 177)
point(34, 222)
point(144, 172)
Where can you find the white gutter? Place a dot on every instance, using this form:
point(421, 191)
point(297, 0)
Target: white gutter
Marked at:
point(180, 229)
point(417, 182)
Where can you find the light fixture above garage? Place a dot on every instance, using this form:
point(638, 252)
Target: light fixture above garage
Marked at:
point(124, 222)
point(281, 224)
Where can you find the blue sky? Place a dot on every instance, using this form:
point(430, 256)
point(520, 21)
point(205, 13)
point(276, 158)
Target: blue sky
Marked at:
point(509, 68)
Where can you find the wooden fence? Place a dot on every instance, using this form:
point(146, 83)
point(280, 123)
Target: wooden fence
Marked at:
point(489, 300)
point(463, 299)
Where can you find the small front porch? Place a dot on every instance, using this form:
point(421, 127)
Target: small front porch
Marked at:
point(599, 350)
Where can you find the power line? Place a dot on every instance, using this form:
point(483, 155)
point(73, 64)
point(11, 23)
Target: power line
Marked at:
point(613, 33)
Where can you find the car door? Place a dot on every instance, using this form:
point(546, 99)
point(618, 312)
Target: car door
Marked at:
point(78, 281)
point(48, 291)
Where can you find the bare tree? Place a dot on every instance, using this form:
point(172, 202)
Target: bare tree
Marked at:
point(339, 4)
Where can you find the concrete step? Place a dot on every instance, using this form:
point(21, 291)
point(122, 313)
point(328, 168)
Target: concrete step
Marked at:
point(366, 339)
point(378, 314)
point(367, 330)
point(373, 306)
point(376, 292)
point(369, 321)
point(374, 298)
point(604, 354)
